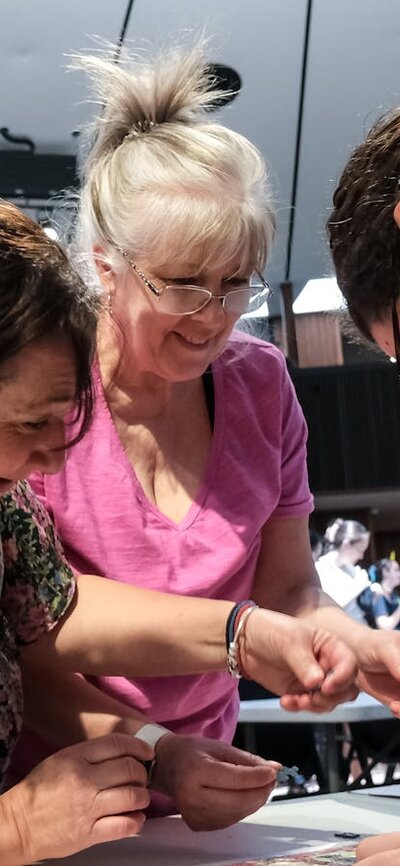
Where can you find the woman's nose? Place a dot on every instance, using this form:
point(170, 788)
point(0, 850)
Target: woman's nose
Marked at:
point(212, 309)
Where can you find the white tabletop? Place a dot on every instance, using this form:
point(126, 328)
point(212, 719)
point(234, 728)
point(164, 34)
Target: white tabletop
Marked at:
point(275, 829)
point(363, 709)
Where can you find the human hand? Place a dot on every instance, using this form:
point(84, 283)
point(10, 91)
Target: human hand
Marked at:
point(383, 850)
point(211, 783)
point(90, 793)
point(378, 657)
point(309, 667)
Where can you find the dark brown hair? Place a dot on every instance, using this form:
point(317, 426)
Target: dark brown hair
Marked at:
point(41, 296)
point(379, 568)
point(363, 236)
point(346, 530)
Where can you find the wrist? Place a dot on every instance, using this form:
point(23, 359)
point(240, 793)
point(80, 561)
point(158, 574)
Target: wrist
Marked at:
point(153, 734)
point(236, 636)
point(163, 764)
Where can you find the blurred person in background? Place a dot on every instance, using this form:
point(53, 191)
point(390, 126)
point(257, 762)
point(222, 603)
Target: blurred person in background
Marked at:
point(381, 602)
point(316, 544)
point(340, 576)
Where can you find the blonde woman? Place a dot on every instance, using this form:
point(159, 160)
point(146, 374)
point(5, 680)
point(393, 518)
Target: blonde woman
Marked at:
point(192, 479)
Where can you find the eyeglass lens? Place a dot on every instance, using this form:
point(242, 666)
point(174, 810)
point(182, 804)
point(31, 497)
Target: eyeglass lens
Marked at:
point(190, 299)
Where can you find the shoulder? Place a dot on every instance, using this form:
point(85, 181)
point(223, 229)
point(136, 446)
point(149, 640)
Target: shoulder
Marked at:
point(22, 511)
point(38, 583)
point(247, 355)
point(326, 564)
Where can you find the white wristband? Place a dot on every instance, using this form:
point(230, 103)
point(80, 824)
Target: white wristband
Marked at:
point(151, 734)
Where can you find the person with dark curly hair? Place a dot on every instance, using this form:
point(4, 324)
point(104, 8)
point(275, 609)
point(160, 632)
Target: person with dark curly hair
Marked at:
point(363, 230)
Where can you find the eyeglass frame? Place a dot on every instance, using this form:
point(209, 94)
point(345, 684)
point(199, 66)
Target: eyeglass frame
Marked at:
point(159, 292)
point(396, 335)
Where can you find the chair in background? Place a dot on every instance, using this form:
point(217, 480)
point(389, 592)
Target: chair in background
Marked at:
point(373, 743)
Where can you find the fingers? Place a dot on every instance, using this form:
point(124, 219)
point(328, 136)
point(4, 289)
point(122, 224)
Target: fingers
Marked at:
point(116, 827)
point(121, 800)
point(302, 662)
point(230, 777)
point(377, 844)
point(394, 707)
point(219, 809)
point(387, 858)
point(119, 771)
point(232, 755)
point(341, 668)
point(316, 702)
point(115, 745)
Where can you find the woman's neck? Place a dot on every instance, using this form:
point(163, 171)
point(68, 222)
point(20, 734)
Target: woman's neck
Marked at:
point(340, 559)
point(123, 382)
point(137, 397)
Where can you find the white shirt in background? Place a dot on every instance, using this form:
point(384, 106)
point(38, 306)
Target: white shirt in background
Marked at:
point(343, 583)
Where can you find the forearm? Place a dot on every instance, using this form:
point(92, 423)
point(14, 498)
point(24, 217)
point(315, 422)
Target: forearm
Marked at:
point(286, 580)
point(118, 630)
point(64, 708)
point(299, 599)
point(11, 844)
point(330, 616)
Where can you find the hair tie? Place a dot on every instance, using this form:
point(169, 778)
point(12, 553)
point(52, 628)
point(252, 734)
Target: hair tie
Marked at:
point(141, 127)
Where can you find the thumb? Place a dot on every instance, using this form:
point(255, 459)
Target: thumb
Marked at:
point(301, 660)
point(232, 755)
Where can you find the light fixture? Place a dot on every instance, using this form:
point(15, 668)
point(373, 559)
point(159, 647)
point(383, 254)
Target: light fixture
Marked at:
point(319, 296)
point(226, 80)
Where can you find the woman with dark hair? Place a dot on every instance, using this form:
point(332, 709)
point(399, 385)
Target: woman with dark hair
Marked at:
point(364, 237)
point(384, 605)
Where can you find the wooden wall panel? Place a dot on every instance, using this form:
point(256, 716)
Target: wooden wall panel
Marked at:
point(319, 342)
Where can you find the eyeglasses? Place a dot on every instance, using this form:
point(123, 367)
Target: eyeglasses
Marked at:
point(184, 300)
point(396, 335)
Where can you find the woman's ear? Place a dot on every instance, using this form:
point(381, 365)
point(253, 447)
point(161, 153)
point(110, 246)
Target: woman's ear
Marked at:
point(104, 269)
point(396, 214)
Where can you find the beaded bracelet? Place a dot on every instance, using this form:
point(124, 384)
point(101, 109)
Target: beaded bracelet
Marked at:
point(235, 627)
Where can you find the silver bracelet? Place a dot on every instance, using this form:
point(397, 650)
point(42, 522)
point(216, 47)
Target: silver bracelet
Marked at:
point(233, 660)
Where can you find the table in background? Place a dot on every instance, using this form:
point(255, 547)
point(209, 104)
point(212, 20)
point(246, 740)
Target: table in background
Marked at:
point(364, 709)
point(274, 830)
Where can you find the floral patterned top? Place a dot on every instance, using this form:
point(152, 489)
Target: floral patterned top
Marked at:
point(36, 587)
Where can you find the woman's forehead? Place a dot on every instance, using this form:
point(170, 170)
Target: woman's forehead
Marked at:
point(41, 374)
point(180, 261)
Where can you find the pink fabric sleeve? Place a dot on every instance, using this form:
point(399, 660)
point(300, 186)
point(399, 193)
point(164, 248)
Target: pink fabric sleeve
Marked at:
point(296, 499)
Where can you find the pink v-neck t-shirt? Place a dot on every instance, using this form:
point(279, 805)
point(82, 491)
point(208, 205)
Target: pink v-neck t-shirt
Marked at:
point(256, 469)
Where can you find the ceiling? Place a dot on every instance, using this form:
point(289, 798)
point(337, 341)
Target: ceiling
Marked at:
point(315, 74)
